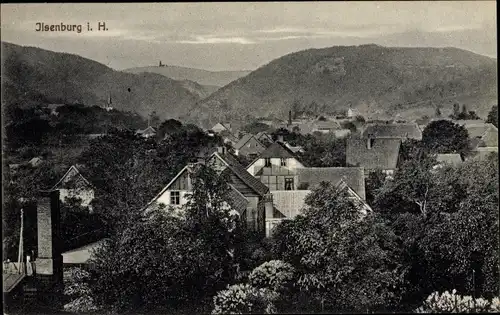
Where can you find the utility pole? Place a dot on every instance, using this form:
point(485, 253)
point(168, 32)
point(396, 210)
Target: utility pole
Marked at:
point(20, 254)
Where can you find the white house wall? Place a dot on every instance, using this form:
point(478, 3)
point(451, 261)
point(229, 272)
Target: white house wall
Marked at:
point(291, 163)
point(165, 198)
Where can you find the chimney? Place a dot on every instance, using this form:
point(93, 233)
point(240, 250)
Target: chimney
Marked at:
point(369, 142)
point(221, 149)
point(290, 118)
point(49, 261)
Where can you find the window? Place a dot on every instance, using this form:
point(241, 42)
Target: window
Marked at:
point(288, 183)
point(175, 198)
point(283, 162)
point(267, 162)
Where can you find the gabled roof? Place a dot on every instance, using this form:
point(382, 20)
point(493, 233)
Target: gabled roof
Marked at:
point(184, 169)
point(226, 126)
point(353, 176)
point(148, 130)
point(242, 173)
point(383, 155)
point(263, 134)
point(402, 131)
point(277, 150)
point(244, 140)
point(70, 174)
point(450, 158)
point(478, 130)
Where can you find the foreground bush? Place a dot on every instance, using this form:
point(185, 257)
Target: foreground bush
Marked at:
point(77, 291)
point(276, 275)
point(454, 303)
point(244, 299)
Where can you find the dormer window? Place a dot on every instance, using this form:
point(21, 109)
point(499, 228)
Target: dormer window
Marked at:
point(283, 162)
point(267, 162)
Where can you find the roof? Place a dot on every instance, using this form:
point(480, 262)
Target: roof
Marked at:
point(326, 124)
point(483, 152)
point(341, 133)
point(478, 130)
point(68, 176)
point(463, 122)
point(226, 126)
point(383, 154)
point(277, 150)
point(148, 130)
point(449, 158)
point(263, 134)
point(353, 176)
point(402, 131)
point(242, 173)
point(237, 201)
point(82, 254)
point(244, 140)
point(10, 281)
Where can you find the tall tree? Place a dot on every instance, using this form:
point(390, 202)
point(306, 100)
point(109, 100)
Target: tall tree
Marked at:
point(443, 136)
point(339, 253)
point(493, 116)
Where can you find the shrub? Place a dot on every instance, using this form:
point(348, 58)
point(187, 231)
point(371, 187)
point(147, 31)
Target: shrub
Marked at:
point(243, 299)
point(78, 292)
point(454, 303)
point(275, 275)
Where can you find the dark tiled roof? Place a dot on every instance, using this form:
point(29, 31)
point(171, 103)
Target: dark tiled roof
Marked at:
point(352, 176)
point(237, 201)
point(383, 155)
point(411, 131)
point(277, 150)
point(263, 135)
point(242, 173)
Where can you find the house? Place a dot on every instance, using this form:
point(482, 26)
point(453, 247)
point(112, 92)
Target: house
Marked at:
point(482, 153)
point(453, 159)
point(288, 204)
point(482, 134)
point(373, 154)
point(247, 195)
point(264, 137)
point(294, 149)
point(219, 127)
point(35, 162)
point(228, 137)
point(80, 256)
point(74, 185)
point(276, 167)
point(147, 133)
point(401, 131)
point(325, 126)
point(249, 145)
point(341, 133)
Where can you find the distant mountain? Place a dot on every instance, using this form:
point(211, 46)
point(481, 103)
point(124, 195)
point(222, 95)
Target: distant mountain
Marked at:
point(203, 77)
point(381, 82)
point(32, 76)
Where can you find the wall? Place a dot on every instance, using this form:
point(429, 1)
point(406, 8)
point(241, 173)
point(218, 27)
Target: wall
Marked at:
point(85, 194)
point(291, 164)
point(165, 197)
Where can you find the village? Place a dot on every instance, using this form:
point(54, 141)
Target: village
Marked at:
point(267, 173)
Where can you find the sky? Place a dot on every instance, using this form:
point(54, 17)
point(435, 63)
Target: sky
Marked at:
point(245, 36)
